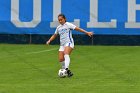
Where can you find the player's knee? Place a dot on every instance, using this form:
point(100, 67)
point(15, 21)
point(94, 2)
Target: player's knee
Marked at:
point(66, 53)
point(61, 59)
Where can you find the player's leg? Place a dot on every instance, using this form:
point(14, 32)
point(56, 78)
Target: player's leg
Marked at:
point(61, 56)
point(61, 59)
point(67, 51)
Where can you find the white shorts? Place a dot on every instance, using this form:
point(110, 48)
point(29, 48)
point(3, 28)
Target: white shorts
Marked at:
point(62, 48)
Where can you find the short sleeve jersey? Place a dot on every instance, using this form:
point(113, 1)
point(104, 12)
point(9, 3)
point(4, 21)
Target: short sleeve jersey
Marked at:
point(65, 33)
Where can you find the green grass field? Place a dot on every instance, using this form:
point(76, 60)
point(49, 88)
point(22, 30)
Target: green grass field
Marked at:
point(97, 69)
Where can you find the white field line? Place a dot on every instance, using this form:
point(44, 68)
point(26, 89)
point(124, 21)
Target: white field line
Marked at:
point(36, 52)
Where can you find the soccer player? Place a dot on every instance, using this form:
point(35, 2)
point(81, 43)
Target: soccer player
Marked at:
point(66, 41)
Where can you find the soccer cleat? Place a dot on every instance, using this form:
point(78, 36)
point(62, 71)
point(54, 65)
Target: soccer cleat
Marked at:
point(70, 74)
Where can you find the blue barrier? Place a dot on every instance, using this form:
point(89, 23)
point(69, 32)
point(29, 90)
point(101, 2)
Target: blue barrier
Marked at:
point(107, 17)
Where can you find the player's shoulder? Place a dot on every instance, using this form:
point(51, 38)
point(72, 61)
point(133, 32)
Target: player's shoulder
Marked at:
point(58, 26)
point(68, 23)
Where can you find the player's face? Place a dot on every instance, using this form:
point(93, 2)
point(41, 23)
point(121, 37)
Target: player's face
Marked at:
point(61, 20)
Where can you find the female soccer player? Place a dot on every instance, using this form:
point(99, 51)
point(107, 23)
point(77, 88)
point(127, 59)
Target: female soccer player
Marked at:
point(66, 41)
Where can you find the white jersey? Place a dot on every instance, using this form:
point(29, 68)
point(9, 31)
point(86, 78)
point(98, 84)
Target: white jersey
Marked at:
point(65, 33)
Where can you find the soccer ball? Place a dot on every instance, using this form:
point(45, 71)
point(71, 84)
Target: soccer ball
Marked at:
point(62, 73)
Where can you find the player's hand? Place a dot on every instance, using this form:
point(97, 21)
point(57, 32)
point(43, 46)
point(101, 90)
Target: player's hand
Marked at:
point(90, 34)
point(48, 42)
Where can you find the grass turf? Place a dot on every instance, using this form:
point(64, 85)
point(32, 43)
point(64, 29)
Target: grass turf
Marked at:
point(97, 69)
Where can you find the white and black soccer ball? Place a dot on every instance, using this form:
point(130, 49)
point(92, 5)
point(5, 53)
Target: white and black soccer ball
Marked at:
point(62, 73)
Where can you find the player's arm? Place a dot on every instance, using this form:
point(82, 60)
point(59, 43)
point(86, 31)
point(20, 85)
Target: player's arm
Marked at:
point(84, 31)
point(51, 39)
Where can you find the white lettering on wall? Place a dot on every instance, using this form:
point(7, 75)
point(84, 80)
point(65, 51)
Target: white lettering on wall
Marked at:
point(36, 14)
point(132, 7)
point(94, 18)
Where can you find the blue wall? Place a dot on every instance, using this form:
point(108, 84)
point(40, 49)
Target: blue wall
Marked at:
point(73, 9)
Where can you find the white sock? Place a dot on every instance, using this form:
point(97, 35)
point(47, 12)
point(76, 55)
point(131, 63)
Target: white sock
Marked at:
point(63, 64)
point(67, 61)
